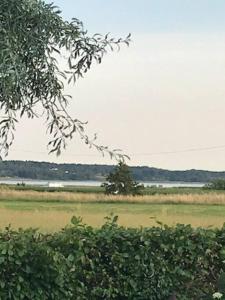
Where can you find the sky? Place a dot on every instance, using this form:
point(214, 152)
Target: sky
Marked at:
point(161, 100)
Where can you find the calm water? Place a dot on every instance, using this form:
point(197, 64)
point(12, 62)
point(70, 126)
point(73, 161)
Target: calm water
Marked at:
point(95, 183)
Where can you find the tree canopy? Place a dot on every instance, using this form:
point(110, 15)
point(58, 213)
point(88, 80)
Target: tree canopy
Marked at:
point(33, 35)
point(217, 184)
point(120, 181)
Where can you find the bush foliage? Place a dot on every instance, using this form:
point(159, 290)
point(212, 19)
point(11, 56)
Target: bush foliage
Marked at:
point(120, 182)
point(218, 184)
point(111, 262)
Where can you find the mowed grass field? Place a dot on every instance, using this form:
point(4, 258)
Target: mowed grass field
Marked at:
point(53, 210)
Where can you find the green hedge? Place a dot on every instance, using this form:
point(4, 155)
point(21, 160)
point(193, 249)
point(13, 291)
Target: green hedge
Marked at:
point(112, 262)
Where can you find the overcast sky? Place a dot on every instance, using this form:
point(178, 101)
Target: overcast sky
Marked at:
point(162, 100)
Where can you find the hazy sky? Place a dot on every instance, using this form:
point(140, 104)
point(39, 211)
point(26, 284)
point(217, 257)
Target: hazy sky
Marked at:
point(162, 100)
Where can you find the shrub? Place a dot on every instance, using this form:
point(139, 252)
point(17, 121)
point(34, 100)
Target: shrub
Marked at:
point(120, 181)
point(218, 184)
point(30, 269)
point(111, 262)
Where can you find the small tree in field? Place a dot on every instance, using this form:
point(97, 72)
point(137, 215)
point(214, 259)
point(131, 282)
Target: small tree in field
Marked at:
point(120, 182)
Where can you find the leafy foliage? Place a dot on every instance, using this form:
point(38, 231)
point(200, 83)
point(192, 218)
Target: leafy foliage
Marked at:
point(218, 184)
point(30, 269)
point(220, 289)
point(111, 262)
point(120, 182)
point(33, 35)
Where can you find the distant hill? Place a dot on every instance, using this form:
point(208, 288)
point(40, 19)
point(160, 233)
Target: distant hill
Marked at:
point(53, 171)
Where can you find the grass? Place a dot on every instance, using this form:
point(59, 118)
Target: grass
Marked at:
point(51, 211)
point(50, 217)
point(68, 197)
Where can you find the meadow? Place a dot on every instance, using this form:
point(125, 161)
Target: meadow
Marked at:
point(52, 209)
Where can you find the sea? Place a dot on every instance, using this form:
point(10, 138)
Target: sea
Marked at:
point(95, 183)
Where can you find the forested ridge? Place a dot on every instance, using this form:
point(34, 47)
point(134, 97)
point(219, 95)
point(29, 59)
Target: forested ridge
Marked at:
point(53, 171)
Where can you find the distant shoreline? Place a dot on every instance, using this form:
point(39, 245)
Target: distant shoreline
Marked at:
point(93, 183)
point(31, 170)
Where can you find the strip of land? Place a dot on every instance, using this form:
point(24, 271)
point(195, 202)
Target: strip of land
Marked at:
point(210, 197)
point(50, 211)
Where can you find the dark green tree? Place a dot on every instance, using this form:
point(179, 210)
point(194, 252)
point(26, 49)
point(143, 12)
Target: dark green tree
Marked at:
point(120, 181)
point(218, 184)
point(33, 36)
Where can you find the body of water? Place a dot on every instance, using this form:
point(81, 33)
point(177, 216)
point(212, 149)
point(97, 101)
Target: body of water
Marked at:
point(94, 183)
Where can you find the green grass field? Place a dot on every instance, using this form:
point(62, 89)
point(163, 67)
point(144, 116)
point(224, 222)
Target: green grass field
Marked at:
point(52, 209)
point(51, 216)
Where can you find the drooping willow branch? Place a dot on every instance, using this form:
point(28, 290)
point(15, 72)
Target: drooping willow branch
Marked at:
point(32, 35)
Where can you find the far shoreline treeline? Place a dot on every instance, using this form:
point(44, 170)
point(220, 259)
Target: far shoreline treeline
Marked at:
point(69, 171)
